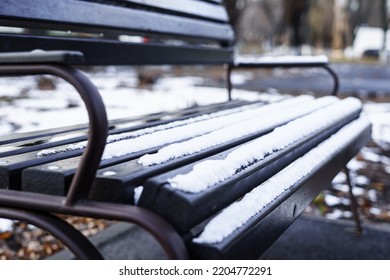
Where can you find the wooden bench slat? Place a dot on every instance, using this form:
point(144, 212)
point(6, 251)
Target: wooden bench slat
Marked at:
point(71, 15)
point(128, 172)
point(276, 217)
point(38, 140)
point(193, 8)
point(160, 197)
point(201, 169)
point(127, 175)
point(121, 53)
point(12, 166)
point(66, 168)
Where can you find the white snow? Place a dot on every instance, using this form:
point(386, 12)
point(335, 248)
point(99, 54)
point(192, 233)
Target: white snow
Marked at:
point(5, 225)
point(370, 156)
point(335, 214)
point(372, 195)
point(117, 87)
point(209, 172)
point(332, 200)
point(137, 194)
point(126, 135)
point(355, 165)
point(345, 188)
point(375, 211)
point(238, 213)
point(180, 133)
point(361, 180)
point(276, 114)
point(357, 191)
point(283, 59)
point(340, 178)
point(192, 129)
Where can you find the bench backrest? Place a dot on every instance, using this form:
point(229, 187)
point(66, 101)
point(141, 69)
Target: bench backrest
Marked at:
point(167, 31)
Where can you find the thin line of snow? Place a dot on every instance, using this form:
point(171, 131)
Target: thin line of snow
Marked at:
point(238, 213)
point(181, 133)
point(148, 130)
point(194, 129)
point(232, 132)
point(286, 59)
point(209, 172)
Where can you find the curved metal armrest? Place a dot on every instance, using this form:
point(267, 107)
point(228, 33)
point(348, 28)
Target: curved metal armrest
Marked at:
point(307, 63)
point(98, 124)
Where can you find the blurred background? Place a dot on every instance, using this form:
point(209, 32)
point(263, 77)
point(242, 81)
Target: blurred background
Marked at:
point(341, 28)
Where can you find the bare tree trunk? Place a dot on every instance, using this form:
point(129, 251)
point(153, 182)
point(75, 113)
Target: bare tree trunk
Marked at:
point(294, 13)
point(233, 11)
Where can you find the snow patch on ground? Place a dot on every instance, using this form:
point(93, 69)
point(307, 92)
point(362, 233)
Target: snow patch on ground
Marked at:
point(5, 225)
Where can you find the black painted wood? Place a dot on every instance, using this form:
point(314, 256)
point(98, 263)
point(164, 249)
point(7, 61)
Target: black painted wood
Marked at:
point(38, 140)
point(11, 166)
point(72, 15)
point(161, 198)
point(66, 57)
point(130, 174)
point(110, 52)
point(35, 177)
point(194, 8)
point(262, 230)
point(186, 32)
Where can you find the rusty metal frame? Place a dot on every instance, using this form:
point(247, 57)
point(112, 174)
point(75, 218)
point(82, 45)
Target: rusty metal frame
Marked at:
point(164, 233)
point(230, 67)
point(75, 203)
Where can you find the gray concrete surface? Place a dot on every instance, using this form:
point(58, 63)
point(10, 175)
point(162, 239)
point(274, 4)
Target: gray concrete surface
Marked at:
point(308, 238)
point(321, 239)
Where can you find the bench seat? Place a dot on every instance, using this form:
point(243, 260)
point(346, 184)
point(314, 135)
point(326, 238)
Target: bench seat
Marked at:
point(175, 174)
point(259, 140)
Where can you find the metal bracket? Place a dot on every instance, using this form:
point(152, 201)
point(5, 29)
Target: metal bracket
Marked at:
point(229, 68)
point(98, 124)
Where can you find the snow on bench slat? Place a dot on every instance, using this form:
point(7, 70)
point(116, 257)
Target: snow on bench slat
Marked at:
point(238, 213)
point(178, 133)
point(191, 130)
point(285, 59)
point(148, 130)
point(209, 172)
point(232, 132)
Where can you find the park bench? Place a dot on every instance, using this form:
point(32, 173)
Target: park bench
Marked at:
point(217, 181)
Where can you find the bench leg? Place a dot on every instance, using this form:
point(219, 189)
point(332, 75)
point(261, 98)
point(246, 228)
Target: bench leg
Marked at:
point(354, 205)
point(335, 78)
point(77, 243)
point(228, 69)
